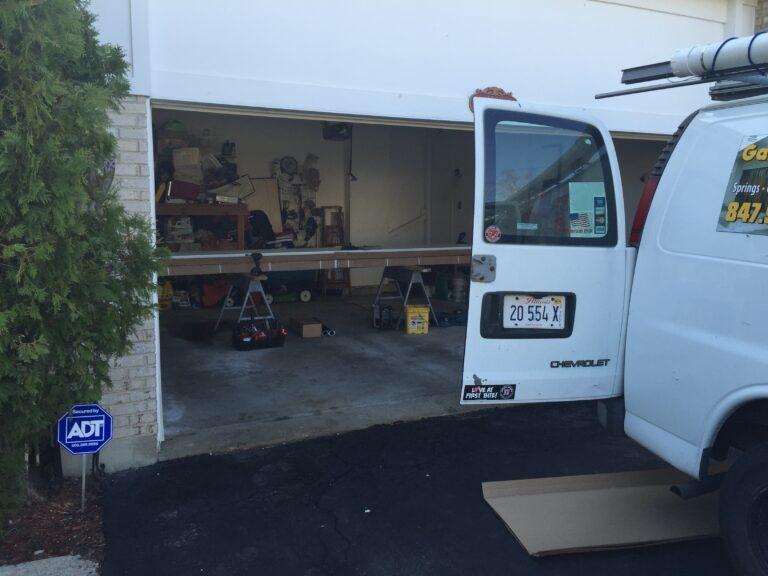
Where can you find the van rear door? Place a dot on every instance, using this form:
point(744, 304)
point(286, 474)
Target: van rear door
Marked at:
point(549, 261)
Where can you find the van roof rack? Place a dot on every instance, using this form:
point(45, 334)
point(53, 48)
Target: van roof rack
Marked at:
point(737, 66)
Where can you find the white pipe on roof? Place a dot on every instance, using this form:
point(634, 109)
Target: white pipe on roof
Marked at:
point(734, 53)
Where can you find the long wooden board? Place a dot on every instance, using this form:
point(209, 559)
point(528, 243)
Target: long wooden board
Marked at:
point(190, 264)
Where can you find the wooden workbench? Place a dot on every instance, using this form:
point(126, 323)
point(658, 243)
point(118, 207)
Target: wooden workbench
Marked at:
point(237, 211)
point(190, 264)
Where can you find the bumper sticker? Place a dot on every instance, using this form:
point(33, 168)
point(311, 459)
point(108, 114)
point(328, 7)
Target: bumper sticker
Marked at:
point(488, 392)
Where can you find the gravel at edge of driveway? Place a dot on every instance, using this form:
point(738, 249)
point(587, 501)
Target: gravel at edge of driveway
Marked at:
point(59, 566)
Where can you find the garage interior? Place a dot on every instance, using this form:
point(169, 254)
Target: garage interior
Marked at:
point(347, 201)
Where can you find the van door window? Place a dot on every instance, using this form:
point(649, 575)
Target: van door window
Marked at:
point(547, 182)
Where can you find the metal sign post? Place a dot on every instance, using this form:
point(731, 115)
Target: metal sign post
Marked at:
point(84, 430)
point(82, 491)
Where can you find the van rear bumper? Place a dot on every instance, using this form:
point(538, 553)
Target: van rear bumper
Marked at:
point(681, 454)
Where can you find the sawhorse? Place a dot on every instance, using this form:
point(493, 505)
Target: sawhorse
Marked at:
point(415, 278)
point(254, 287)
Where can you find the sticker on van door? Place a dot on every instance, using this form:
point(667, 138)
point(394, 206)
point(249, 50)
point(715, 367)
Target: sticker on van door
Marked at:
point(488, 392)
point(587, 210)
point(745, 205)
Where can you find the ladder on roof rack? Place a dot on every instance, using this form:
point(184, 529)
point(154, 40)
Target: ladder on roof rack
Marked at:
point(738, 66)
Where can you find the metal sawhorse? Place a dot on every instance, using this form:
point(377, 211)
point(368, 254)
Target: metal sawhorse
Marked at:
point(415, 278)
point(255, 286)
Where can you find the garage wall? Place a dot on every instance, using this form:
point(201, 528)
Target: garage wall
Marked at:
point(417, 59)
point(411, 182)
point(395, 185)
point(132, 400)
point(388, 199)
point(452, 183)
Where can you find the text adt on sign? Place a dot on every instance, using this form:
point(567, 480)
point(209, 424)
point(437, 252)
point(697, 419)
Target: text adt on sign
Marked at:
point(85, 429)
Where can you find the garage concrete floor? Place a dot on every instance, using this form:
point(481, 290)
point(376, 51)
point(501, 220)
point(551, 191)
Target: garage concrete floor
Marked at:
point(216, 398)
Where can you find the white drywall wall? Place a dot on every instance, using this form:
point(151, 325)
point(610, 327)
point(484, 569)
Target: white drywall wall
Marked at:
point(452, 182)
point(388, 199)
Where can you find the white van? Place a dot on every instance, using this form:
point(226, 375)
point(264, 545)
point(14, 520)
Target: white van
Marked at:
point(561, 308)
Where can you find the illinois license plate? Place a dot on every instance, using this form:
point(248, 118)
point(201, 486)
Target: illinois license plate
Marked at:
point(541, 313)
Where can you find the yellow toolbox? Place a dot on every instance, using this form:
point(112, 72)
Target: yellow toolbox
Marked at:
point(417, 319)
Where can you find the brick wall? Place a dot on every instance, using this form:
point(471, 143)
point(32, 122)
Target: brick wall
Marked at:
point(761, 15)
point(132, 401)
point(132, 168)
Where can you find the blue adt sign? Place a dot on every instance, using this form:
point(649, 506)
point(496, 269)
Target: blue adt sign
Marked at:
point(85, 429)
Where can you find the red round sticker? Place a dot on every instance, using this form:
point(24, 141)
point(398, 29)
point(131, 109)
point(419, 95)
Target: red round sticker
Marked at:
point(492, 233)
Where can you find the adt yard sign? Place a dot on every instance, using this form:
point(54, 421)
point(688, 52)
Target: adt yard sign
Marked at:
point(85, 429)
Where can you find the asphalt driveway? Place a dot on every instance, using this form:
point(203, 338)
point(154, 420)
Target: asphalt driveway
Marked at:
point(403, 499)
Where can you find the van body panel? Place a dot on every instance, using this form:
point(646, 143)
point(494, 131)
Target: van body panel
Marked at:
point(629, 275)
point(683, 455)
point(696, 327)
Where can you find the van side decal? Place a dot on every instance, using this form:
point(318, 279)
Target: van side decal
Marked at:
point(745, 205)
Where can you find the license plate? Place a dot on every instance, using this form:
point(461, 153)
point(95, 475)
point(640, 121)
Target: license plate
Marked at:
point(526, 311)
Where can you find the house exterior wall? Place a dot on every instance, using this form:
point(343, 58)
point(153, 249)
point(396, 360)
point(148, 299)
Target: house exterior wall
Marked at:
point(133, 400)
point(416, 60)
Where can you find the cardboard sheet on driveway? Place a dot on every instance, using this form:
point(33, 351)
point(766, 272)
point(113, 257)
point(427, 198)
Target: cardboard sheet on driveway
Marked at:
point(600, 511)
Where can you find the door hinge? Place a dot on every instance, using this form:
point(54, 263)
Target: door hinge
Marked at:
point(483, 268)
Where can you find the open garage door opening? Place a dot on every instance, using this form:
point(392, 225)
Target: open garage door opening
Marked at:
point(337, 212)
point(332, 208)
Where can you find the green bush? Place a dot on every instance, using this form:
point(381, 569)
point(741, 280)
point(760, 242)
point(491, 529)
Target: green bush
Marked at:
point(76, 270)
